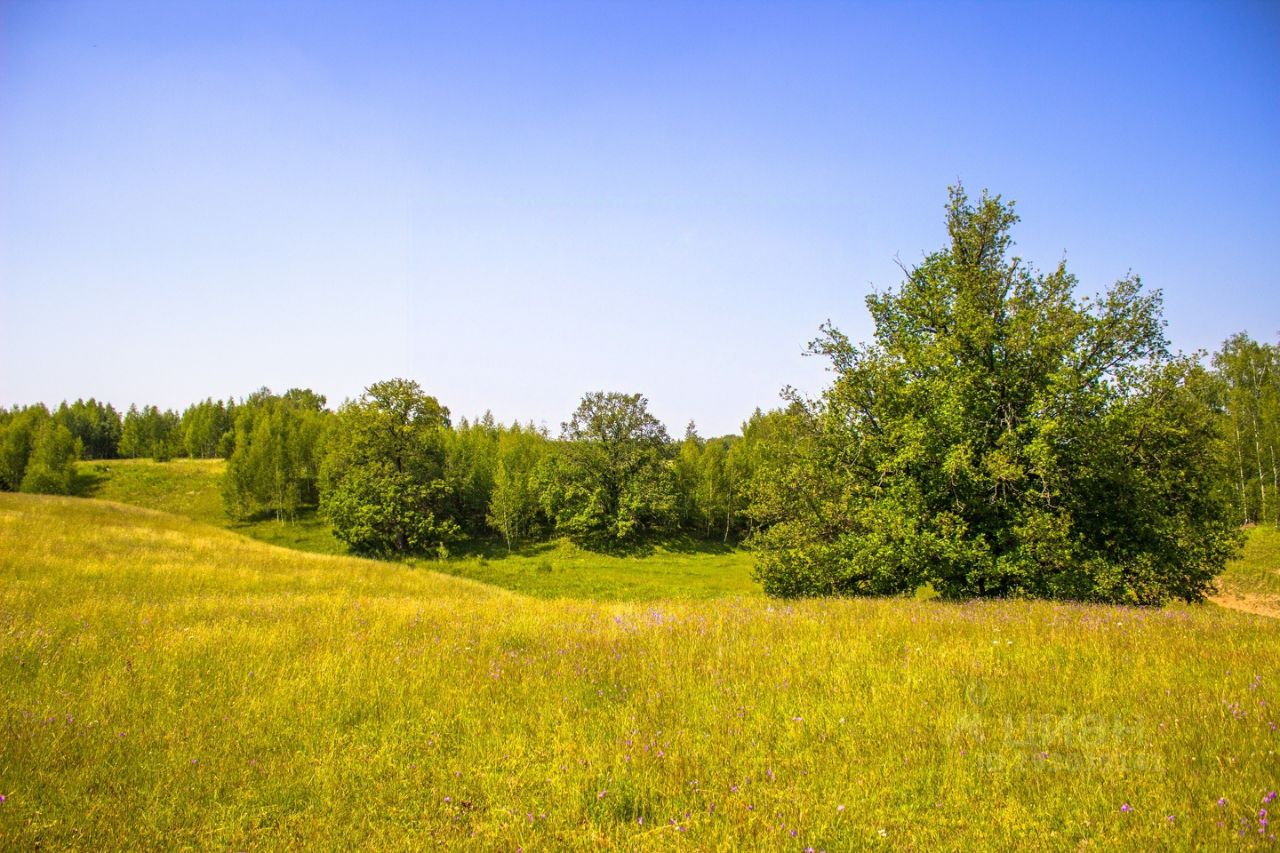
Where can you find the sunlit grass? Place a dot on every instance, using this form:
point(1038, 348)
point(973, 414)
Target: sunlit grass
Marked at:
point(166, 684)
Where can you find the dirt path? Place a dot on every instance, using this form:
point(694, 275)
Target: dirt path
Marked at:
point(1262, 605)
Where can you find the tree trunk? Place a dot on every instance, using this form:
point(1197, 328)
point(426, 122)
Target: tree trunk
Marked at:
point(1244, 500)
point(1262, 483)
point(1275, 482)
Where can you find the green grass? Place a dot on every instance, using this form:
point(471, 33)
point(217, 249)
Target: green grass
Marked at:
point(187, 487)
point(192, 488)
point(687, 569)
point(556, 569)
point(167, 684)
point(1257, 572)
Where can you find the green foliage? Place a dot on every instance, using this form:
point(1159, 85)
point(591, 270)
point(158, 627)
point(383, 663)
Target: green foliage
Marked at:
point(471, 453)
point(1249, 395)
point(514, 507)
point(95, 425)
point(51, 467)
point(610, 479)
point(1000, 438)
point(688, 464)
point(38, 452)
point(208, 429)
point(383, 481)
point(17, 438)
point(150, 433)
point(711, 483)
point(275, 465)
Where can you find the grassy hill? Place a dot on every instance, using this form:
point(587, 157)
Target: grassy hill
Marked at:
point(164, 683)
point(691, 569)
point(192, 488)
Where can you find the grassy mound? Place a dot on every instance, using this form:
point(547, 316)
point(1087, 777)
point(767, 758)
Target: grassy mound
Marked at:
point(164, 683)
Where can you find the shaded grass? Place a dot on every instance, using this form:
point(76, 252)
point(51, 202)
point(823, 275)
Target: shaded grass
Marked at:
point(166, 684)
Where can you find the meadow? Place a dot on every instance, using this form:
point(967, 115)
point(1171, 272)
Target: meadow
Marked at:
point(164, 682)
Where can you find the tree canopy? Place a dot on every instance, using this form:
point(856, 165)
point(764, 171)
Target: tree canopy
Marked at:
point(611, 477)
point(384, 486)
point(1000, 436)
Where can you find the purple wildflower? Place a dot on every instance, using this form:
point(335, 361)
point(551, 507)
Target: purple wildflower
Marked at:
point(1269, 797)
point(1126, 808)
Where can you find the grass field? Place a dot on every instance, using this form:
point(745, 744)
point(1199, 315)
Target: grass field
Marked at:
point(190, 488)
point(164, 683)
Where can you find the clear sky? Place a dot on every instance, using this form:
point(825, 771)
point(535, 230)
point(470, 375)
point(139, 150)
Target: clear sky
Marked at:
point(515, 204)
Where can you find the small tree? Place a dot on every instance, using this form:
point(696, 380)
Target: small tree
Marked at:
point(1001, 438)
point(51, 468)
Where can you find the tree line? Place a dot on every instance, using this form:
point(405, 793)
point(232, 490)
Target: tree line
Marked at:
point(1000, 435)
point(395, 474)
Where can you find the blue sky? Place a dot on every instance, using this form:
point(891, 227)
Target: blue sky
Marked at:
point(515, 204)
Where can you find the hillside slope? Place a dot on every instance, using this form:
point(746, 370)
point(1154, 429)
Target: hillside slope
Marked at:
point(163, 683)
point(688, 569)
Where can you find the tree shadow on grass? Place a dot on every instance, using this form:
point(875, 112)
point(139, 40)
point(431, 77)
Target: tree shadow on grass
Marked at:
point(88, 479)
point(496, 549)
